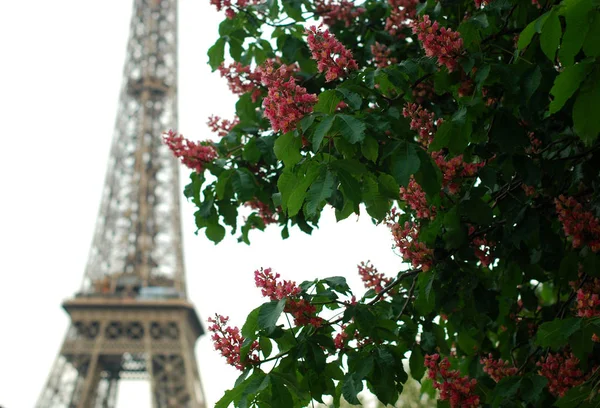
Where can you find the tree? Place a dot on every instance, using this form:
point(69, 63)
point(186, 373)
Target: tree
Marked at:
point(469, 128)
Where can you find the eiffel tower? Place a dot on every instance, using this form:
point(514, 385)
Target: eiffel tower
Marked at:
point(131, 318)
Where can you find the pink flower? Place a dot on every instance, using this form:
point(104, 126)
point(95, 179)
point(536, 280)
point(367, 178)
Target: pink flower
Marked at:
point(381, 55)
point(221, 126)
point(331, 56)
point(562, 372)
point(401, 13)
point(497, 369)
point(193, 155)
point(579, 225)
point(334, 11)
point(406, 239)
point(228, 341)
point(286, 102)
point(460, 391)
point(242, 79)
point(371, 278)
point(415, 197)
point(442, 43)
point(271, 288)
point(421, 121)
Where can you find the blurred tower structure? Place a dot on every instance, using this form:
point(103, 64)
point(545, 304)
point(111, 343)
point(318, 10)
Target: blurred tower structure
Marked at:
point(131, 318)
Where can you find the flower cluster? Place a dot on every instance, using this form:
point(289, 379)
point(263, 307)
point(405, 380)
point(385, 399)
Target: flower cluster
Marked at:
point(401, 13)
point(406, 239)
point(482, 247)
point(340, 339)
point(421, 121)
point(264, 212)
point(271, 288)
point(193, 155)
point(303, 311)
point(562, 372)
point(536, 144)
point(453, 169)
point(221, 126)
point(381, 55)
point(371, 278)
point(242, 79)
point(332, 57)
point(442, 43)
point(479, 3)
point(286, 102)
point(529, 190)
point(334, 11)
point(497, 369)
point(588, 297)
point(228, 341)
point(228, 6)
point(422, 92)
point(458, 390)
point(414, 196)
point(579, 225)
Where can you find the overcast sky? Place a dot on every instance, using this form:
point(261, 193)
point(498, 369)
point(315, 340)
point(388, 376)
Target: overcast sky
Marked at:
point(60, 76)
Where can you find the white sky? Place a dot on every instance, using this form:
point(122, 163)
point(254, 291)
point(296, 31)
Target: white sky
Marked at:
point(61, 73)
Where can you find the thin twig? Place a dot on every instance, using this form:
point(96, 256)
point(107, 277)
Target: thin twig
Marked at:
point(393, 284)
point(411, 291)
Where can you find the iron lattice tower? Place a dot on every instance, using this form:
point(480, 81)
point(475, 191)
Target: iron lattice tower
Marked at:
point(131, 318)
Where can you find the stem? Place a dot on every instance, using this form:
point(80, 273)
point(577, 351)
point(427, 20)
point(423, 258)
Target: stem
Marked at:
point(410, 295)
point(393, 284)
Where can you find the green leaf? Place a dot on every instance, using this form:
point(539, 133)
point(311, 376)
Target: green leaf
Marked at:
point(388, 186)
point(566, 83)
point(442, 136)
point(556, 333)
point(350, 186)
point(526, 35)
point(287, 148)
point(251, 152)
point(269, 313)
point(266, 346)
point(286, 183)
point(250, 327)
point(215, 232)
point(577, 16)
point(585, 110)
point(320, 191)
point(591, 45)
point(550, 37)
point(351, 387)
point(416, 363)
point(573, 397)
point(352, 129)
point(280, 396)
point(506, 388)
point(370, 148)
point(321, 131)
point(327, 102)
point(531, 82)
point(245, 109)
point(429, 176)
point(223, 183)
point(353, 99)
point(216, 54)
point(425, 301)
point(296, 198)
point(405, 163)
point(532, 388)
point(255, 383)
point(243, 184)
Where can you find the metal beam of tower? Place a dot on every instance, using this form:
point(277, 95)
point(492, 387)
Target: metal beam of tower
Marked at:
point(131, 317)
